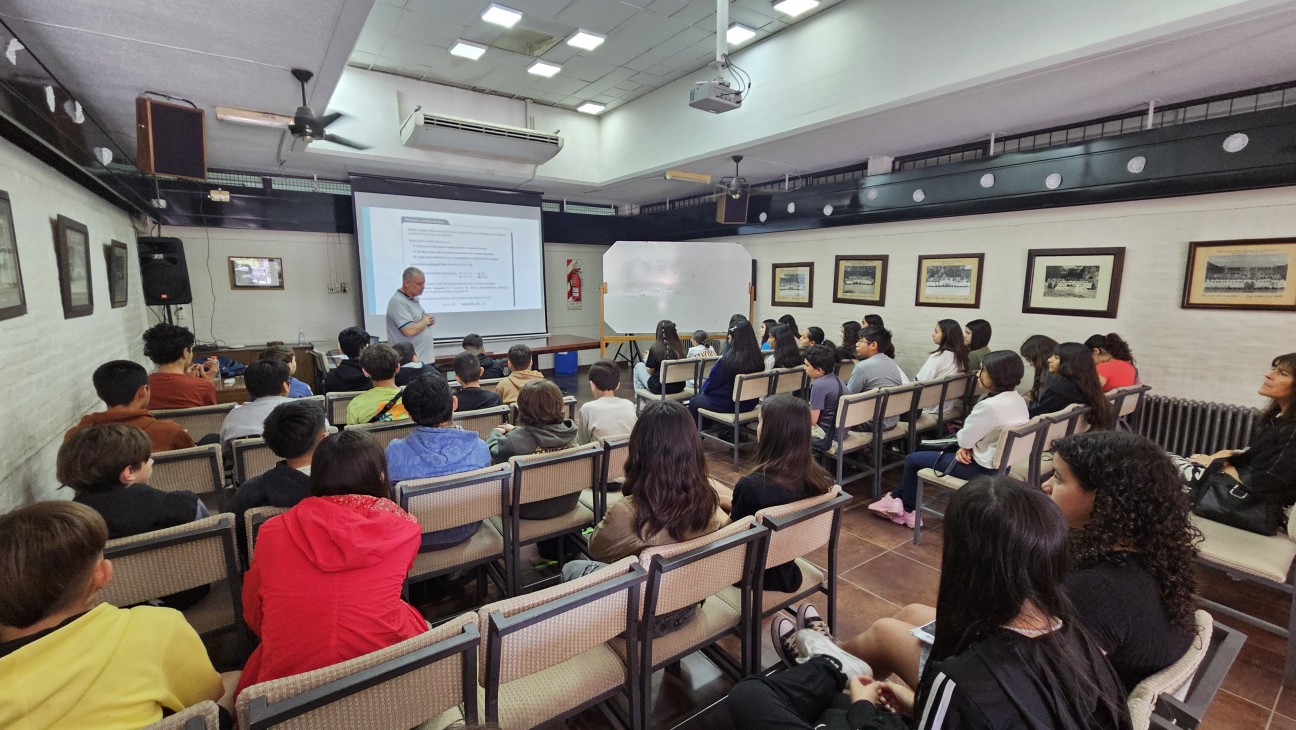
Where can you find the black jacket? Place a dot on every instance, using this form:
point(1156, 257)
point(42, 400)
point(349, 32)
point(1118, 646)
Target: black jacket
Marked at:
point(1059, 393)
point(472, 399)
point(347, 376)
point(1269, 465)
point(492, 368)
point(139, 508)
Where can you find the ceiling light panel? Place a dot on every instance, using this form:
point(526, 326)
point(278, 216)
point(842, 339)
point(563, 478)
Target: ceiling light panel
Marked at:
point(497, 14)
point(793, 8)
point(544, 68)
point(739, 34)
point(586, 40)
point(467, 49)
point(590, 107)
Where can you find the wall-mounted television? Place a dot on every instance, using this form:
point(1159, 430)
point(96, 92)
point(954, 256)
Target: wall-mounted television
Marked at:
point(255, 272)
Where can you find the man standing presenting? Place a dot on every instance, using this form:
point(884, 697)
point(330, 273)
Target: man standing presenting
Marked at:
point(406, 320)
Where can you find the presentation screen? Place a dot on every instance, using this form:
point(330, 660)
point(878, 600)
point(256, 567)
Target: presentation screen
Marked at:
point(479, 249)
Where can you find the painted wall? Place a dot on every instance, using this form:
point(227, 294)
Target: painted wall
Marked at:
point(48, 360)
point(1213, 355)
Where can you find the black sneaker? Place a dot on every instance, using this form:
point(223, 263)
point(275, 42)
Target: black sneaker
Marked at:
point(782, 631)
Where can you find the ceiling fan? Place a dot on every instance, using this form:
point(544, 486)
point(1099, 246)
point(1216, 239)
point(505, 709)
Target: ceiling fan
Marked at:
point(304, 124)
point(734, 185)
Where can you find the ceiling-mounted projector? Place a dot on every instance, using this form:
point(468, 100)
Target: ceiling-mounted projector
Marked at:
point(715, 97)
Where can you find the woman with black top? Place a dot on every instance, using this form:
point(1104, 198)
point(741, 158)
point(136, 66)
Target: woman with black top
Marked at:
point(665, 346)
point(742, 356)
point(787, 352)
point(1008, 652)
point(1036, 351)
point(1073, 379)
point(787, 471)
point(850, 334)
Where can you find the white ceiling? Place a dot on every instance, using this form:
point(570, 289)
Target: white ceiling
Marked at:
point(649, 44)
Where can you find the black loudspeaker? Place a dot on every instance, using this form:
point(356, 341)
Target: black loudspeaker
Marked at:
point(163, 271)
point(170, 139)
point(732, 208)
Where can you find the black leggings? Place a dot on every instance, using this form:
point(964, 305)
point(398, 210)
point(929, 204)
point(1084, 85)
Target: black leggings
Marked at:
point(806, 697)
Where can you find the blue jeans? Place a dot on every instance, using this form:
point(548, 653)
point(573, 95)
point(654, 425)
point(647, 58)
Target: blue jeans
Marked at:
point(918, 460)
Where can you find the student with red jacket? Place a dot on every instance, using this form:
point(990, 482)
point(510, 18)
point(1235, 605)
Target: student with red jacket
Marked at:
point(325, 581)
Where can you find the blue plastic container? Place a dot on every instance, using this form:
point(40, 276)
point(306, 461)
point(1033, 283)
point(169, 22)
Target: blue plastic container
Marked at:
point(565, 363)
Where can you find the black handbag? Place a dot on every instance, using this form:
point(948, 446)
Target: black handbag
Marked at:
point(1219, 497)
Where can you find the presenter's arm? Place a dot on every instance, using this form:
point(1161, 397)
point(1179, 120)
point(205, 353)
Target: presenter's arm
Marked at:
point(417, 326)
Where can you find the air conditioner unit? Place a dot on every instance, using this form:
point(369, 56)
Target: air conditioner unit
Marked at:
point(479, 139)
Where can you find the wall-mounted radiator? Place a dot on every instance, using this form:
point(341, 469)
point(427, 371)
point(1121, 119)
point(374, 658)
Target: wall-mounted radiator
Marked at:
point(1187, 427)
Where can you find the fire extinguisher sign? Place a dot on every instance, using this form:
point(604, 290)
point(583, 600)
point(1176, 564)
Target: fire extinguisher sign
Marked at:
point(573, 284)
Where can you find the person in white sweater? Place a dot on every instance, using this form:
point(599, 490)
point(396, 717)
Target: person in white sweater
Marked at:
point(949, 358)
point(1003, 407)
point(606, 415)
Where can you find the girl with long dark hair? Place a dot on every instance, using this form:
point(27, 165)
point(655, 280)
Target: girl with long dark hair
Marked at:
point(1008, 649)
point(1036, 351)
point(814, 336)
point(850, 333)
point(787, 353)
point(949, 357)
point(1114, 360)
point(742, 356)
point(766, 336)
point(790, 321)
point(1074, 379)
point(786, 471)
point(665, 346)
point(976, 335)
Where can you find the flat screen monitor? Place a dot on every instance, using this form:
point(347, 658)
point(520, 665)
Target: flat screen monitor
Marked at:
point(255, 272)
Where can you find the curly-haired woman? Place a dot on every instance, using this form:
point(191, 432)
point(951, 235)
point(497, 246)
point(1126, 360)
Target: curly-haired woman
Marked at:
point(1132, 553)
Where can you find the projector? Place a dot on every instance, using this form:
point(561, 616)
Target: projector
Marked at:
point(714, 96)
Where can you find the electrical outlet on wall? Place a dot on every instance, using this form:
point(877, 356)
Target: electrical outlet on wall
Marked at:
point(344, 287)
point(332, 288)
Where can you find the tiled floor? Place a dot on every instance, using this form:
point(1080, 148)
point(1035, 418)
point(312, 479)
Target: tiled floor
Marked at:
point(880, 570)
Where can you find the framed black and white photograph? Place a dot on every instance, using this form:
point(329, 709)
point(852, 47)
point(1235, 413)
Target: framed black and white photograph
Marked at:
point(792, 285)
point(116, 255)
point(1245, 274)
point(72, 249)
point(860, 280)
point(950, 281)
point(1083, 282)
point(13, 301)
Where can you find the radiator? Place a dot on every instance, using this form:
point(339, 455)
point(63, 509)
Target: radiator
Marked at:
point(1187, 427)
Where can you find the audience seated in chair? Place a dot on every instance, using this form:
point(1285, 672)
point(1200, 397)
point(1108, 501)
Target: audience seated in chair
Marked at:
point(520, 361)
point(826, 389)
point(850, 334)
point(542, 427)
point(67, 660)
point(382, 402)
point(786, 352)
point(815, 336)
point(766, 334)
point(410, 366)
point(1036, 351)
point(436, 447)
point(349, 376)
point(1073, 379)
point(123, 386)
point(268, 385)
point(875, 368)
point(976, 335)
point(292, 430)
point(606, 415)
point(288, 356)
point(665, 346)
point(1114, 360)
point(701, 345)
point(178, 382)
point(491, 368)
point(325, 581)
point(791, 324)
point(741, 357)
point(471, 396)
point(949, 358)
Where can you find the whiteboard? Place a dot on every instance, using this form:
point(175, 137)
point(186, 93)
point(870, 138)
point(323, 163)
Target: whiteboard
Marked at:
point(695, 285)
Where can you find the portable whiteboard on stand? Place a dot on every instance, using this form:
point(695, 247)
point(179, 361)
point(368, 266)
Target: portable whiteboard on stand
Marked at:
point(697, 285)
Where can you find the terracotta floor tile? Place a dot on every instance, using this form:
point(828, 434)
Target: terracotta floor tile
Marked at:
point(1282, 722)
point(897, 578)
point(881, 532)
point(1256, 674)
point(1286, 704)
point(852, 550)
point(1230, 712)
point(928, 551)
point(857, 609)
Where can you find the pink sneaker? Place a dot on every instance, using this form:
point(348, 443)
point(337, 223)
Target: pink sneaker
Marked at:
point(887, 506)
point(906, 518)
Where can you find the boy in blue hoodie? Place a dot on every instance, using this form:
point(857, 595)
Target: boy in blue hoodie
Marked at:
point(435, 448)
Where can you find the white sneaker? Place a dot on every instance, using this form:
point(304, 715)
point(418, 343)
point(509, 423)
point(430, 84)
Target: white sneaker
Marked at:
point(811, 643)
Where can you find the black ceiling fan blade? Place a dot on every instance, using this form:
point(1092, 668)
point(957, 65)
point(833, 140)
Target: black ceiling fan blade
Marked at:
point(329, 118)
point(344, 141)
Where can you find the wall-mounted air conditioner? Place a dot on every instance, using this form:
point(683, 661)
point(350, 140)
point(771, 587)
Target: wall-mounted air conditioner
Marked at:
point(479, 139)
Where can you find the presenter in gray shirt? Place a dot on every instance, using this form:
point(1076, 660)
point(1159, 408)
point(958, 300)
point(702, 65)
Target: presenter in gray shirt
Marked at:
point(406, 320)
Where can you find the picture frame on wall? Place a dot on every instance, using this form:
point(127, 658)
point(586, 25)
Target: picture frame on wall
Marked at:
point(1081, 282)
point(13, 299)
point(1257, 274)
point(72, 249)
point(792, 285)
point(116, 255)
point(951, 280)
point(860, 280)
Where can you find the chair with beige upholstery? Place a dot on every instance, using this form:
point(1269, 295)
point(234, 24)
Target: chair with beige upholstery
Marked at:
point(716, 573)
point(547, 654)
point(1015, 445)
point(491, 383)
point(748, 387)
point(252, 457)
point(933, 394)
point(385, 431)
point(704, 369)
point(454, 500)
point(1179, 695)
point(160, 563)
point(793, 381)
point(1038, 467)
point(538, 477)
point(845, 368)
point(796, 530)
point(253, 519)
point(337, 405)
point(482, 420)
point(669, 373)
point(203, 716)
point(871, 407)
point(197, 469)
point(615, 453)
point(430, 678)
point(1263, 559)
point(1125, 404)
point(198, 421)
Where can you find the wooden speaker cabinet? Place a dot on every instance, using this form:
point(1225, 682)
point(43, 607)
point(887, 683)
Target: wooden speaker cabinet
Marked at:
point(170, 138)
point(730, 209)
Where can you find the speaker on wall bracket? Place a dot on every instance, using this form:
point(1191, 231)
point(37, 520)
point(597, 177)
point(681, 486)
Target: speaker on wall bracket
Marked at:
point(170, 139)
point(163, 271)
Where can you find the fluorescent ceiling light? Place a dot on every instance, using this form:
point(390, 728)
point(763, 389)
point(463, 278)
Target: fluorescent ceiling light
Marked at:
point(586, 40)
point(590, 107)
point(739, 34)
point(793, 8)
point(500, 15)
point(543, 68)
point(467, 49)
